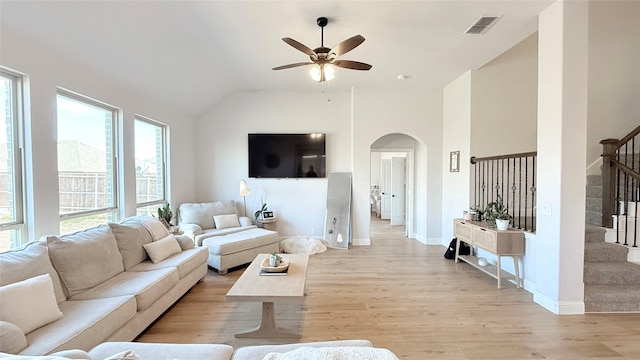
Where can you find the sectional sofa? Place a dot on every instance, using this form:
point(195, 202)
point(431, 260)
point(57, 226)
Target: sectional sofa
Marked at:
point(107, 283)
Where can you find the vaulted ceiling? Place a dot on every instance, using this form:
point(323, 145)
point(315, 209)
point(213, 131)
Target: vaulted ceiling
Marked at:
point(193, 53)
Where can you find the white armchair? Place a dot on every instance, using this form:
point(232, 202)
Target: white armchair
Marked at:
point(203, 220)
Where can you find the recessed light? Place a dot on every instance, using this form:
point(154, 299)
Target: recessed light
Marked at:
point(403, 77)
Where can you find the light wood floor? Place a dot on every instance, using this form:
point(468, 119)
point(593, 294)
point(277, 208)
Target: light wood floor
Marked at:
point(404, 296)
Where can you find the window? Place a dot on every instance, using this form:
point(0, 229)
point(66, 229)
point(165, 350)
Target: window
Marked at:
point(87, 162)
point(151, 179)
point(12, 233)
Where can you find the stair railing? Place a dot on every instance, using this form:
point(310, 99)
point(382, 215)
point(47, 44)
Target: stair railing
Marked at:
point(512, 177)
point(621, 185)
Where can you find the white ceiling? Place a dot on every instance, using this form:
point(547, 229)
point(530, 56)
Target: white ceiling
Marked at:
point(192, 53)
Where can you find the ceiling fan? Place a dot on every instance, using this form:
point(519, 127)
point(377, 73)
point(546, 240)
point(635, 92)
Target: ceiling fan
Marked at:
point(322, 56)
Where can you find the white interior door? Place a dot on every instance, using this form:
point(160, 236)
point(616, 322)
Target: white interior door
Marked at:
point(397, 190)
point(385, 190)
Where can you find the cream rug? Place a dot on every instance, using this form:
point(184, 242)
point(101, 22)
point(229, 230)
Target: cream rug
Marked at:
point(302, 245)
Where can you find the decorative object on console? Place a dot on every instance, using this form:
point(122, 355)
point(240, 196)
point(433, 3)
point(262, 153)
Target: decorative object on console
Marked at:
point(244, 191)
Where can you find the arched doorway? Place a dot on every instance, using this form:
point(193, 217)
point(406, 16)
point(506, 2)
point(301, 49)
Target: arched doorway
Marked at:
point(392, 185)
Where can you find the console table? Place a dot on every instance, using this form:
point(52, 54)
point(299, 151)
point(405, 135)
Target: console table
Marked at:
point(498, 242)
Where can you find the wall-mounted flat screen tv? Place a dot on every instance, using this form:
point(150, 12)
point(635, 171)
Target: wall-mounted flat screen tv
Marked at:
point(287, 155)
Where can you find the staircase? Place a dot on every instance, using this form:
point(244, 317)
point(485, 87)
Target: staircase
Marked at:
point(611, 283)
point(594, 200)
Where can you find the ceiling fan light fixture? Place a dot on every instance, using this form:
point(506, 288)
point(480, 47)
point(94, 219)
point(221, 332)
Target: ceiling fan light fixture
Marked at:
point(322, 72)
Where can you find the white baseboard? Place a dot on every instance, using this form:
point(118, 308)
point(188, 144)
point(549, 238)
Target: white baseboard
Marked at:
point(559, 307)
point(435, 241)
point(361, 242)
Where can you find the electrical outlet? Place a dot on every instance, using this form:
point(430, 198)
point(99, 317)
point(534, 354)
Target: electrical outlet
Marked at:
point(313, 231)
point(546, 210)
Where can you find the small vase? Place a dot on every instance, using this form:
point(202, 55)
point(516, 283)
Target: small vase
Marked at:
point(273, 261)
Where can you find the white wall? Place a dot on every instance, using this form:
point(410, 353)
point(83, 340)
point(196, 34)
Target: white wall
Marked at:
point(418, 114)
point(46, 70)
point(504, 99)
point(456, 136)
point(221, 141)
point(614, 74)
point(300, 204)
point(562, 130)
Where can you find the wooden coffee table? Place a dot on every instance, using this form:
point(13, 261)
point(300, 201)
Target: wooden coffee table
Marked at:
point(251, 286)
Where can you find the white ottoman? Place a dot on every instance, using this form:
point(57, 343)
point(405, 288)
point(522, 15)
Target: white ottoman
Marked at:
point(239, 248)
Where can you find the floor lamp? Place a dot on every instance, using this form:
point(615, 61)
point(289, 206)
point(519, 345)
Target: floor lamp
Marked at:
point(244, 191)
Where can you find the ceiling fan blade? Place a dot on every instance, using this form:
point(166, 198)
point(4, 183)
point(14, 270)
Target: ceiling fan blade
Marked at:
point(299, 46)
point(292, 65)
point(347, 45)
point(353, 65)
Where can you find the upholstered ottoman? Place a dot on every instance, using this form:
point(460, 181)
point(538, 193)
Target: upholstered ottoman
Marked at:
point(239, 248)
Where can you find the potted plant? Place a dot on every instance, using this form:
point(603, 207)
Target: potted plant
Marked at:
point(263, 208)
point(497, 213)
point(165, 215)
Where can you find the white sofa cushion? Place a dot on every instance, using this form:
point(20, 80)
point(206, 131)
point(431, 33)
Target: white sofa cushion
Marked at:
point(260, 351)
point(28, 261)
point(12, 339)
point(86, 258)
point(202, 213)
point(85, 323)
point(29, 304)
point(146, 286)
point(124, 355)
point(334, 353)
point(165, 351)
point(240, 241)
point(226, 221)
point(219, 232)
point(162, 249)
point(186, 261)
point(130, 236)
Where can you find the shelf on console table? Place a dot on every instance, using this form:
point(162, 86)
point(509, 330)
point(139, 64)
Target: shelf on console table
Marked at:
point(498, 242)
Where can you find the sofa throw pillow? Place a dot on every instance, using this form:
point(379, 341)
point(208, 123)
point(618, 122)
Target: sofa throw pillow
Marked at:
point(12, 339)
point(162, 249)
point(86, 258)
point(226, 221)
point(29, 304)
point(28, 261)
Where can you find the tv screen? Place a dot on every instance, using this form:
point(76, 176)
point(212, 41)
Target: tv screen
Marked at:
point(287, 155)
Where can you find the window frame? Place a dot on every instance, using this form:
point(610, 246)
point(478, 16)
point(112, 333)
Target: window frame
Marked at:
point(165, 168)
point(112, 211)
point(18, 160)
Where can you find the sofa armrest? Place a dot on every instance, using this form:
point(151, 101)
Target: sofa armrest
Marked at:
point(190, 230)
point(185, 242)
point(245, 221)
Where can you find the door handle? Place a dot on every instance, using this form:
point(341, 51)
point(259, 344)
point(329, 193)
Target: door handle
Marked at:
point(393, 196)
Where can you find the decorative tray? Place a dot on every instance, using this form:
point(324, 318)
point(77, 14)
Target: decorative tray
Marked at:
point(284, 265)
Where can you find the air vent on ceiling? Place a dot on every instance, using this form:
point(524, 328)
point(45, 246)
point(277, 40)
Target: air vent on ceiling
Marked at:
point(481, 25)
